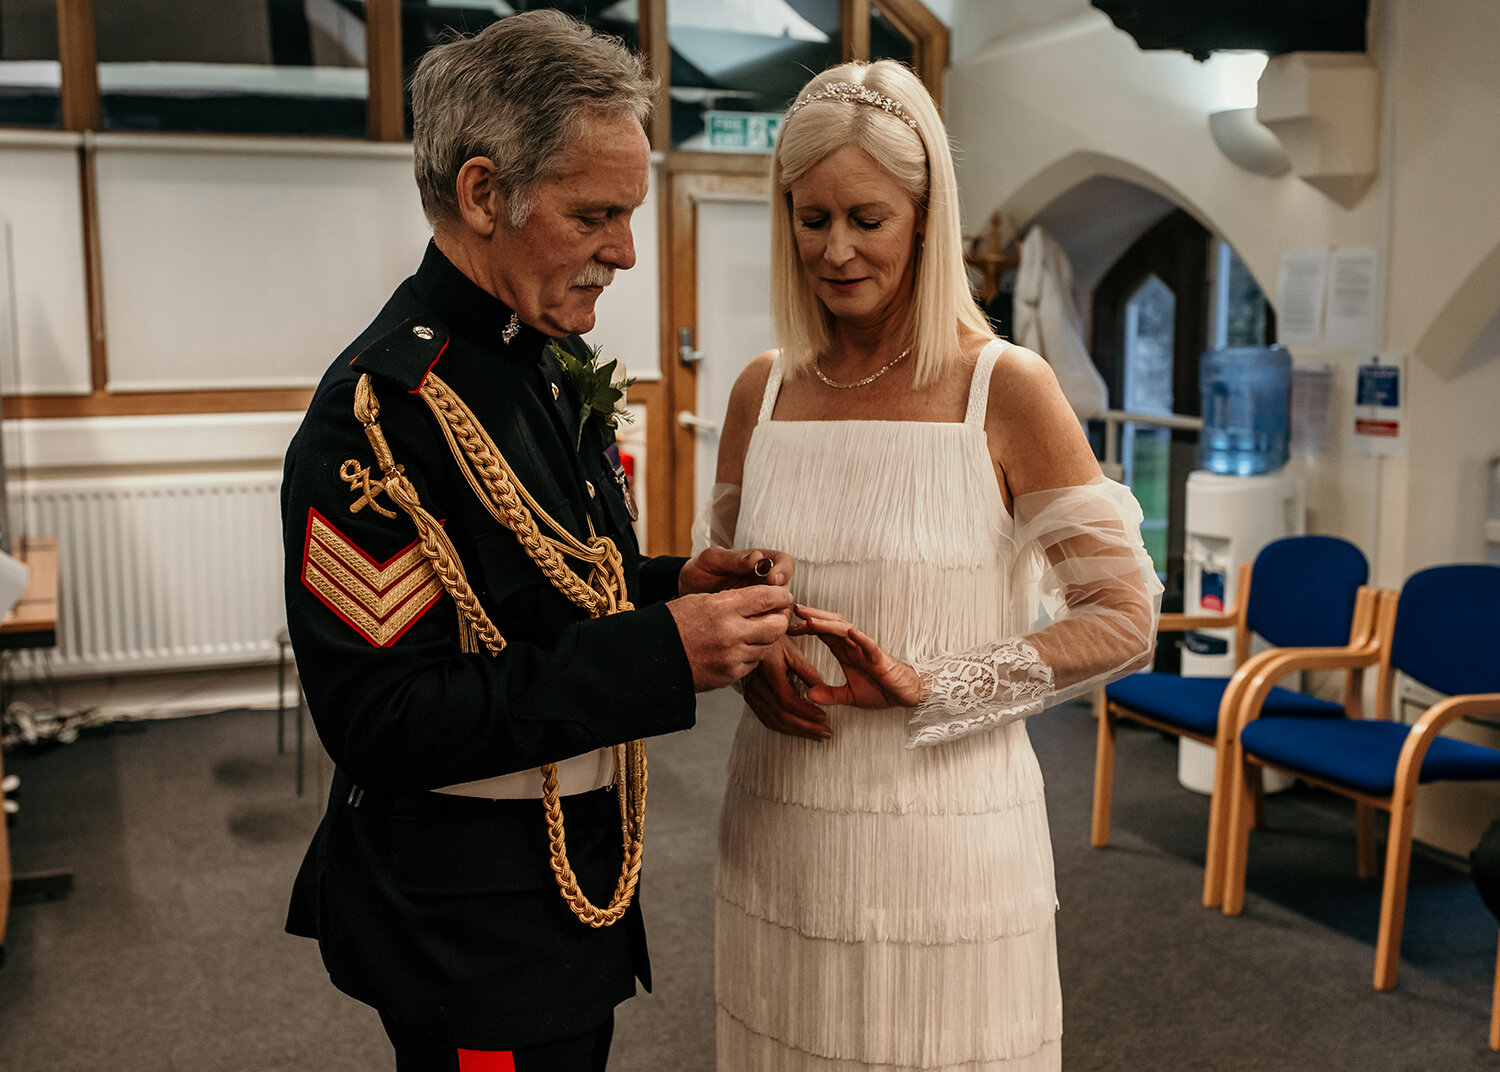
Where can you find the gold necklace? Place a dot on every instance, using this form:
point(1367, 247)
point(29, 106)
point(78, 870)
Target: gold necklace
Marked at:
point(818, 370)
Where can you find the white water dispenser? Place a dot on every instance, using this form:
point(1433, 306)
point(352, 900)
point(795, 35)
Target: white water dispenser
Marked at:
point(1229, 519)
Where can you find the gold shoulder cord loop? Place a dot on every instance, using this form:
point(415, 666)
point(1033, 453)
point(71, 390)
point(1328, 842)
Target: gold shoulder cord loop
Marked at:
point(602, 593)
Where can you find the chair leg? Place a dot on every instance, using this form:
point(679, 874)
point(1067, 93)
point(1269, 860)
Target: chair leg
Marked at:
point(1237, 839)
point(1364, 839)
point(1495, 1007)
point(1104, 770)
point(1257, 780)
point(1393, 893)
point(1218, 829)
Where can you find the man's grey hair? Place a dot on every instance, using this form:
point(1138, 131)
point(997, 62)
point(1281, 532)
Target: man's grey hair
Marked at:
point(516, 92)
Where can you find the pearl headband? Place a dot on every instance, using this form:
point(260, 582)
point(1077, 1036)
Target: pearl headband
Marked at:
point(852, 93)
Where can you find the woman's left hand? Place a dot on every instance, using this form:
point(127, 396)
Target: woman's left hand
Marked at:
point(871, 677)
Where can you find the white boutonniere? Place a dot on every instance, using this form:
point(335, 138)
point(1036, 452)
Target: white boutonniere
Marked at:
point(601, 397)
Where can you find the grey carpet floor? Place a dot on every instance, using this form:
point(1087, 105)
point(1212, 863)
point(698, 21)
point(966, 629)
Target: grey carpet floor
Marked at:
point(183, 837)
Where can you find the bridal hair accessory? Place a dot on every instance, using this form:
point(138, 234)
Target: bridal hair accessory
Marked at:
point(818, 369)
point(852, 93)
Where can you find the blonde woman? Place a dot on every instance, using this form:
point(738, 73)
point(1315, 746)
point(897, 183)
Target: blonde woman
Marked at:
point(885, 896)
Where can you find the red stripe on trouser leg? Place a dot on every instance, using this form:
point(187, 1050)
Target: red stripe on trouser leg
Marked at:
point(485, 1061)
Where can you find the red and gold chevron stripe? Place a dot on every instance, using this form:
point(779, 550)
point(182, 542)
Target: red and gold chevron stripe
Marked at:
point(380, 600)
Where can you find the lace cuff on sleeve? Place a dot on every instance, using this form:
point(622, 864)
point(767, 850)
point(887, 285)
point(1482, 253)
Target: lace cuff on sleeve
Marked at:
point(1095, 572)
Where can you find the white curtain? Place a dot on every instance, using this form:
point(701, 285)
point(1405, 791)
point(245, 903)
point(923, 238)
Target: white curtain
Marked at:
point(1047, 320)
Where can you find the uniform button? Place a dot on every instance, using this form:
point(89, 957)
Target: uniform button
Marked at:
point(590, 486)
point(422, 331)
point(554, 392)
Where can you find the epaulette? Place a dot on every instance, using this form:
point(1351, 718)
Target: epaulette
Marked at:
point(406, 353)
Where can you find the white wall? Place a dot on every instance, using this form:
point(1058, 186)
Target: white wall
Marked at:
point(1444, 274)
point(1041, 111)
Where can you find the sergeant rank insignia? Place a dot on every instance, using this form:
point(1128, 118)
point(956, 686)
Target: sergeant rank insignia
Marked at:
point(380, 600)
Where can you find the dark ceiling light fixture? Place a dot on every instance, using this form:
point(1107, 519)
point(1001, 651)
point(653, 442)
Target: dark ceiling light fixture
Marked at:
point(1201, 27)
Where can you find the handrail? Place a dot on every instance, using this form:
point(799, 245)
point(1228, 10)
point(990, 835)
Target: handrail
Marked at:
point(1113, 418)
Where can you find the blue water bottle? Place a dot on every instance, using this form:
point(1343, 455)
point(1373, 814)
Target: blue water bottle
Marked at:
point(1246, 409)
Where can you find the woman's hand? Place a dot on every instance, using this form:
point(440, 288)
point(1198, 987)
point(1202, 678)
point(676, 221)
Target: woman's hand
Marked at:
point(772, 695)
point(871, 677)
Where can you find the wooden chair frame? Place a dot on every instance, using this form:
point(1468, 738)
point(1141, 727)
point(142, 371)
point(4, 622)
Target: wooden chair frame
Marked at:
point(1107, 713)
point(1359, 653)
point(1264, 672)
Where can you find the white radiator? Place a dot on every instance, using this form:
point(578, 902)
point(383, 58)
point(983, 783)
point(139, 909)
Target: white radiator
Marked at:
point(158, 572)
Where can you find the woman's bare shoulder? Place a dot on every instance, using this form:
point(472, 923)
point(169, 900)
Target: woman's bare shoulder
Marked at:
point(1033, 431)
point(1022, 383)
point(744, 409)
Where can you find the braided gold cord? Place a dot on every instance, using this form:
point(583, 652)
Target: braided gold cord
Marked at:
point(508, 501)
point(435, 543)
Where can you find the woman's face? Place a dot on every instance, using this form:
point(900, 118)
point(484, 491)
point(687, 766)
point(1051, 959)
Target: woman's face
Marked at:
point(856, 233)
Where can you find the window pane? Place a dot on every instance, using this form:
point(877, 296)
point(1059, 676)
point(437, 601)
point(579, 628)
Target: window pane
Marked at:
point(887, 42)
point(262, 67)
point(1149, 317)
point(1245, 306)
point(29, 72)
point(1146, 453)
point(737, 64)
point(424, 25)
point(1148, 461)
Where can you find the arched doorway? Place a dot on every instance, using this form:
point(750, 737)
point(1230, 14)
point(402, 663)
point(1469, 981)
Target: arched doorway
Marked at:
point(1177, 291)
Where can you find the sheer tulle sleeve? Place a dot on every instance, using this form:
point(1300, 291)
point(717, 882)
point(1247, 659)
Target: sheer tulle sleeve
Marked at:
point(1099, 587)
point(715, 524)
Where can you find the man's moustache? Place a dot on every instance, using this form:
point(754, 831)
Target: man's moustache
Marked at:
point(595, 276)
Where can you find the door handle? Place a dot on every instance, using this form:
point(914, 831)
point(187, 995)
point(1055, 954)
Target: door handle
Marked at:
point(688, 419)
point(685, 352)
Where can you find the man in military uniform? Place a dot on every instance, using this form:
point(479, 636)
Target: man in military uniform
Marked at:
point(481, 645)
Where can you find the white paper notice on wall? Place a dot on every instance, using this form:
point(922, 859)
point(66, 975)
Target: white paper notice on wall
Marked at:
point(1379, 393)
point(1349, 321)
point(1299, 297)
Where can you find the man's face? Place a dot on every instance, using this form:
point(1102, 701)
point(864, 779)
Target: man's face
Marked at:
point(552, 270)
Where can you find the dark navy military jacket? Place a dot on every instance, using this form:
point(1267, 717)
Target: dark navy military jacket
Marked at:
point(441, 911)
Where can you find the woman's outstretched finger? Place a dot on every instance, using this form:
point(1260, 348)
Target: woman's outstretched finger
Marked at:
point(816, 615)
point(866, 643)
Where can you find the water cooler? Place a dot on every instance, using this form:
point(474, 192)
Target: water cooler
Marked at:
point(1241, 500)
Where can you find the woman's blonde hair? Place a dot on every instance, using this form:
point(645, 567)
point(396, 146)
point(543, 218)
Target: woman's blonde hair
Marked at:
point(829, 113)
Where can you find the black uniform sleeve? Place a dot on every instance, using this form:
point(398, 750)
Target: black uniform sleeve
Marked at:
point(659, 578)
point(397, 704)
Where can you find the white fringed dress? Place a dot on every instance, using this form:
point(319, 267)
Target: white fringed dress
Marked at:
point(879, 905)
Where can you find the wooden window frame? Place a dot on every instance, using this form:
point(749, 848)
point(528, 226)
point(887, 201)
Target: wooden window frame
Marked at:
point(81, 113)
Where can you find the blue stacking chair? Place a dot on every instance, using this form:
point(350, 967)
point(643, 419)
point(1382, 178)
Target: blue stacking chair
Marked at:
point(1443, 631)
point(1300, 592)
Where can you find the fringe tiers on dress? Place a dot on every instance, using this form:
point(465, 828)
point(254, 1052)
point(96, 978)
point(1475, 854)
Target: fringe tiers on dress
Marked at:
point(879, 906)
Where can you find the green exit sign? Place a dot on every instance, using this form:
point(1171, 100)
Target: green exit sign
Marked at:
point(743, 131)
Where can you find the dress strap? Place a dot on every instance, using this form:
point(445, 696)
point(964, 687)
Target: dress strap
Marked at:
point(773, 389)
point(979, 386)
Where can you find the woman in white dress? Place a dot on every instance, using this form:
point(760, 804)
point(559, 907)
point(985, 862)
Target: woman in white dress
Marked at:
point(885, 895)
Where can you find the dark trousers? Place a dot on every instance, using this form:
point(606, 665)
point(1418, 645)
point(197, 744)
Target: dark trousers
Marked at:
point(417, 1052)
